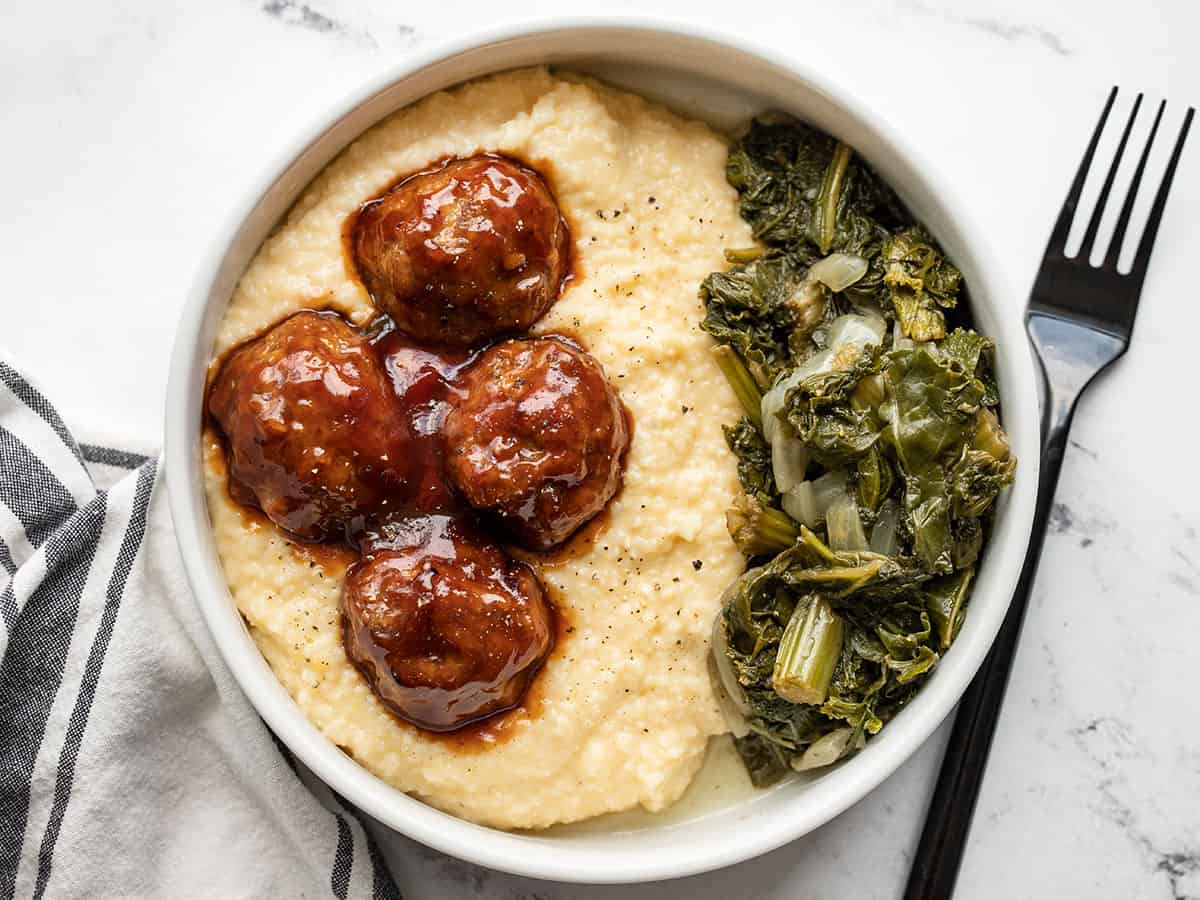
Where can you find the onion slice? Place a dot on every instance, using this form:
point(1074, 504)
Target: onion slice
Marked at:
point(845, 525)
point(825, 751)
point(884, 538)
point(809, 502)
point(850, 330)
point(731, 696)
point(838, 271)
point(789, 462)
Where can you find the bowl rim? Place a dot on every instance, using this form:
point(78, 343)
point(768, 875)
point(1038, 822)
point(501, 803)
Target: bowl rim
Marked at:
point(508, 851)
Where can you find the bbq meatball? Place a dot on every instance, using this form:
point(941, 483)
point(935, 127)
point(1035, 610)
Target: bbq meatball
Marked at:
point(445, 627)
point(537, 438)
point(312, 429)
point(463, 253)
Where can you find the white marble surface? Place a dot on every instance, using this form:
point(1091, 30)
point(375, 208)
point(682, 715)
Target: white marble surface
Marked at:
point(130, 128)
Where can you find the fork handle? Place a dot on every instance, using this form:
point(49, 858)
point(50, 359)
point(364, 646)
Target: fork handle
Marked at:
point(944, 838)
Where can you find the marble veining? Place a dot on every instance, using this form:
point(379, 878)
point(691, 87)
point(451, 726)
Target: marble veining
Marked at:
point(996, 27)
point(302, 14)
point(1089, 453)
point(1062, 519)
point(1017, 32)
point(369, 35)
point(1115, 751)
point(1185, 574)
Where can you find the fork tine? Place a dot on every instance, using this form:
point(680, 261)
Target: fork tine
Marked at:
point(1142, 260)
point(1058, 237)
point(1089, 236)
point(1118, 238)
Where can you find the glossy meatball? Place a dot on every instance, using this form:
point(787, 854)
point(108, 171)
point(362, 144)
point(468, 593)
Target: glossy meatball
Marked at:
point(444, 626)
point(463, 253)
point(537, 438)
point(311, 426)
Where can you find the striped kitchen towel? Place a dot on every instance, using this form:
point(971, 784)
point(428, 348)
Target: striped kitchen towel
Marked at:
point(130, 763)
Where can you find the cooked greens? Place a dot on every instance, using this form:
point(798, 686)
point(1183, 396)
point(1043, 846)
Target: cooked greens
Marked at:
point(920, 283)
point(761, 309)
point(870, 453)
point(801, 189)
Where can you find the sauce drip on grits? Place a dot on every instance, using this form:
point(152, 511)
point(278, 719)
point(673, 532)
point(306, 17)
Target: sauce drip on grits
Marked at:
point(620, 710)
point(466, 739)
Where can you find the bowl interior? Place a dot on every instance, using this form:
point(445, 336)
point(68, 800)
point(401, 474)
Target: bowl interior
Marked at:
point(723, 84)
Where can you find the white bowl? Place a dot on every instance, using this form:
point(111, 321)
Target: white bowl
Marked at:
point(705, 76)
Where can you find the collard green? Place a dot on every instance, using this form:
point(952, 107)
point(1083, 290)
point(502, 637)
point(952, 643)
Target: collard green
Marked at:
point(820, 410)
point(759, 310)
point(920, 282)
point(822, 640)
point(754, 459)
point(798, 185)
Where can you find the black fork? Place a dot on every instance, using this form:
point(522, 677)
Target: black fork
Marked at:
point(1079, 320)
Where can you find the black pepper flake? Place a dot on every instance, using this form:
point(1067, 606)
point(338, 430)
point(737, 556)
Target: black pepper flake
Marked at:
point(650, 199)
point(616, 214)
point(685, 409)
point(697, 564)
